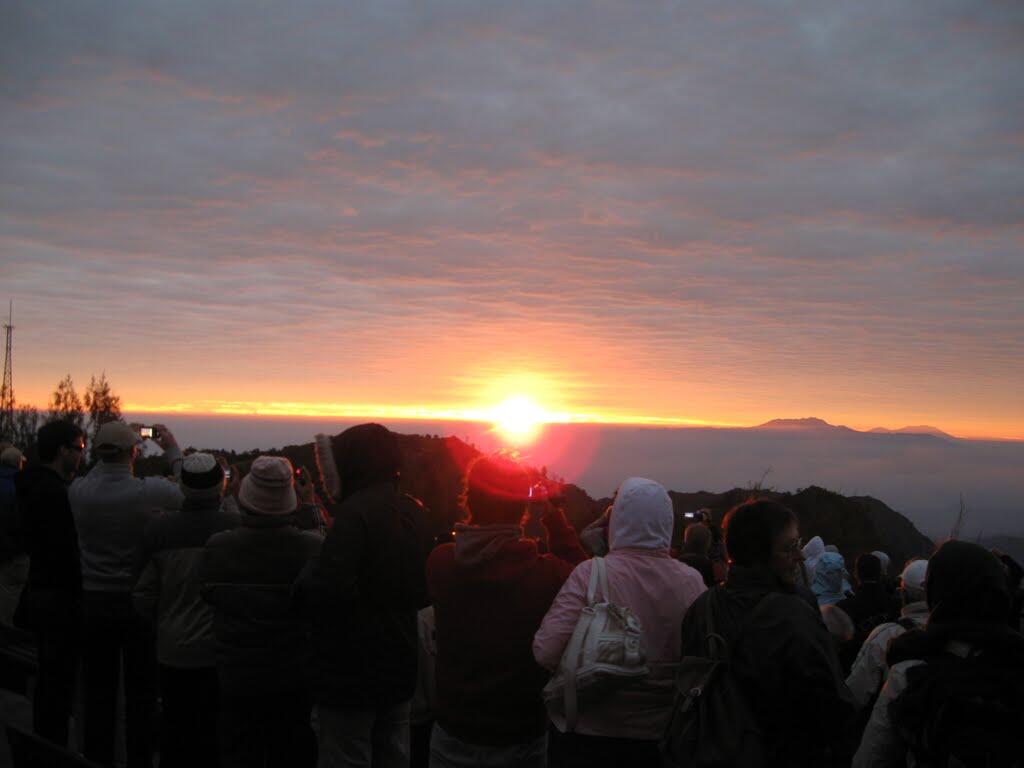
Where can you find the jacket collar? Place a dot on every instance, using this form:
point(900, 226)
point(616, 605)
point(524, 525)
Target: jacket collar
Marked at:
point(756, 578)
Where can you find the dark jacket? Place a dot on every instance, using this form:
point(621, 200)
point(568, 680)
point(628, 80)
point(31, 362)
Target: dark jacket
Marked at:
point(785, 661)
point(168, 587)
point(362, 594)
point(247, 575)
point(490, 597)
point(12, 531)
point(52, 596)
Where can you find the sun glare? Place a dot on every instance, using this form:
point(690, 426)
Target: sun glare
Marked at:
point(518, 419)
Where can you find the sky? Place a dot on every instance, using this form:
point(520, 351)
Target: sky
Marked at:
point(692, 213)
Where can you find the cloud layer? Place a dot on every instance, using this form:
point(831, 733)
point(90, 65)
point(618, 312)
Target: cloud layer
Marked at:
point(701, 210)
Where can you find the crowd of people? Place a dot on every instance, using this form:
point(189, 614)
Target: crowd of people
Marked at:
point(248, 623)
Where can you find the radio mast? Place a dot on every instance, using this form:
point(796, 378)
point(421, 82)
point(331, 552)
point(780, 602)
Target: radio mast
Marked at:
point(7, 390)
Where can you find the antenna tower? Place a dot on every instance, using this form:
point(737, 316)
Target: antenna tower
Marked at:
point(7, 390)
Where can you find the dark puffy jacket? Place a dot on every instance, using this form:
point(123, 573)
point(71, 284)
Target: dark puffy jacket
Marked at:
point(247, 576)
point(53, 593)
point(784, 660)
point(362, 595)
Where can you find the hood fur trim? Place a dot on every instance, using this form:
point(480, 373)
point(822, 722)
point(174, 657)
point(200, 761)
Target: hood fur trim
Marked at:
point(329, 476)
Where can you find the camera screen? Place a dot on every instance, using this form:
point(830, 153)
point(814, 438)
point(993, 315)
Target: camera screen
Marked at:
point(146, 431)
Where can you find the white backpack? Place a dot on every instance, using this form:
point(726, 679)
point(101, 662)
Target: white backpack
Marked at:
point(605, 652)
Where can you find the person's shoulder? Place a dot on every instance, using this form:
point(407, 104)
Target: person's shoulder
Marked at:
point(580, 570)
point(159, 484)
point(702, 599)
point(685, 571)
point(441, 553)
point(897, 680)
point(224, 538)
point(303, 536)
point(157, 529)
point(788, 607)
point(440, 559)
point(884, 632)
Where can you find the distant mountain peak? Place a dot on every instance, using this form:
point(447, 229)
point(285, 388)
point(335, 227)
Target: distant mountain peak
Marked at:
point(920, 429)
point(809, 422)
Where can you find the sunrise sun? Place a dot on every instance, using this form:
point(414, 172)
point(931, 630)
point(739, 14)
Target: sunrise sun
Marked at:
point(518, 419)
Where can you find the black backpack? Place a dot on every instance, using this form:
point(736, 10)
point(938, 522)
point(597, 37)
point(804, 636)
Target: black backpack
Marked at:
point(960, 711)
point(712, 724)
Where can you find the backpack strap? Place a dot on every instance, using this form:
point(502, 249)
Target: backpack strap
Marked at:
point(598, 580)
point(718, 648)
point(572, 651)
point(602, 576)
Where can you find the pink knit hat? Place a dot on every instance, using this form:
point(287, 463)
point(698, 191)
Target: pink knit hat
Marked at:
point(269, 487)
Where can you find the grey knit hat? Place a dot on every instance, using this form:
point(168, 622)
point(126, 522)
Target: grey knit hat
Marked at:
point(269, 487)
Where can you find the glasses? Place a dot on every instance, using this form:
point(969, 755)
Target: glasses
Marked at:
point(77, 447)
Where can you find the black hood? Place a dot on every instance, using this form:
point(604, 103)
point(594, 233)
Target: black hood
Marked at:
point(966, 585)
point(358, 458)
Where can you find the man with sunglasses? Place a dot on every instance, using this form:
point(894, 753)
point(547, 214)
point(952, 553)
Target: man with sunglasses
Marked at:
point(51, 602)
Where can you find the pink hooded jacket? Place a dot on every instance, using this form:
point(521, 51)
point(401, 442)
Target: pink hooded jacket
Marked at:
point(658, 589)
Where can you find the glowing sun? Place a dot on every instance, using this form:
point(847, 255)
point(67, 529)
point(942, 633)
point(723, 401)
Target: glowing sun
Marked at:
point(518, 419)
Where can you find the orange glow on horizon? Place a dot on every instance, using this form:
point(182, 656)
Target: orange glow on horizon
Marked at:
point(494, 414)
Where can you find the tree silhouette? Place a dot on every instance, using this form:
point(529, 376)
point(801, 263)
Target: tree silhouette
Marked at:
point(27, 421)
point(65, 404)
point(101, 402)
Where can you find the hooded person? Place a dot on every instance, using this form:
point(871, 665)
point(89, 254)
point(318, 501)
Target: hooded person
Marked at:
point(262, 646)
point(884, 560)
point(966, 662)
point(781, 652)
point(490, 590)
point(829, 577)
point(362, 594)
point(625, 726)
point(812, 551)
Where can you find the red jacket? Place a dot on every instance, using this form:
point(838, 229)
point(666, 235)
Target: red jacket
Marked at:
point(490, 591)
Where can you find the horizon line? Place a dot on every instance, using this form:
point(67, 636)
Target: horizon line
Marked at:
point(485, 416)
point(478, 415)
